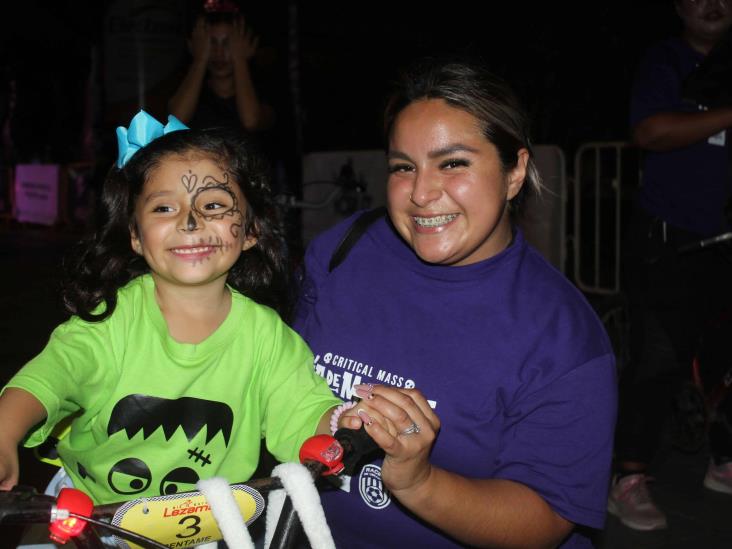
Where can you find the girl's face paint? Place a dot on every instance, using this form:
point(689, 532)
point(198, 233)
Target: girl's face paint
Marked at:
point(188, 222)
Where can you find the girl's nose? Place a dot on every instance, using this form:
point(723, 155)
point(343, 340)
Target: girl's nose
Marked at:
point(189, 223)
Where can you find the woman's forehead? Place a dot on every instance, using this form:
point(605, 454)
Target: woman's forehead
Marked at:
point(425, 118)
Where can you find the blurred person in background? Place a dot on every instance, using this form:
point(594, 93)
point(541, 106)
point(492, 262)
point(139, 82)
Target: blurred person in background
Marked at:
point(673, 293)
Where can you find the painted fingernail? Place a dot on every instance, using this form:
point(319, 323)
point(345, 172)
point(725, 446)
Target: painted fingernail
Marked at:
point(365, 418)
point(364, 390)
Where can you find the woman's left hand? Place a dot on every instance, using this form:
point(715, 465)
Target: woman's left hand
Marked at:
point(406, 464)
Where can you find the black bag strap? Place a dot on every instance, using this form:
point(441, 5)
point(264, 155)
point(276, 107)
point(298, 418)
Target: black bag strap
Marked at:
point(353, 234)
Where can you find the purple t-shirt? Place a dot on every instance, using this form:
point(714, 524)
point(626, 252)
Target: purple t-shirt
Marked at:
point(686, 187)
point(513, 360)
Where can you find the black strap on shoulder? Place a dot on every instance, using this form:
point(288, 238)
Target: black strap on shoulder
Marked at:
point(354, 233)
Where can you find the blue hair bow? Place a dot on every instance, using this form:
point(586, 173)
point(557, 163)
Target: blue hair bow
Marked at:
point(143, 129)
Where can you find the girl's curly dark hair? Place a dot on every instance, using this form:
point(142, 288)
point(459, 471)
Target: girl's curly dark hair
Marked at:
point(101, 264)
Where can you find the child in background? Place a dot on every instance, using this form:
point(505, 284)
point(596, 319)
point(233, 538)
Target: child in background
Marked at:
point(172, 368)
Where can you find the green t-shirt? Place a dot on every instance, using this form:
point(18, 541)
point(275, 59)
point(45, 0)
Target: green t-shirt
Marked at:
point(153, 416)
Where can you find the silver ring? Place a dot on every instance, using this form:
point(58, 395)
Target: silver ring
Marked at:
point(412, 429)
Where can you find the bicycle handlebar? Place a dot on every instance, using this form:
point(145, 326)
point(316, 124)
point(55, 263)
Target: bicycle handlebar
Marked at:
point(701, 244)
point(22, 505)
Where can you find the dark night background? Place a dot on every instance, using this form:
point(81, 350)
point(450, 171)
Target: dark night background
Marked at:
point(571, 62)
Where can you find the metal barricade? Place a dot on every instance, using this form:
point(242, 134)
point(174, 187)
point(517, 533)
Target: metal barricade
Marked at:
point(603, 174)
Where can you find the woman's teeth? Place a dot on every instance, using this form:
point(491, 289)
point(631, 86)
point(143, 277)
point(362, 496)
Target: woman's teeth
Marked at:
point(434, 221)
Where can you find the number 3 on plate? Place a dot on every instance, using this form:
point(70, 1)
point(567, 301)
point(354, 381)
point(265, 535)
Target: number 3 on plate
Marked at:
point(193, 528)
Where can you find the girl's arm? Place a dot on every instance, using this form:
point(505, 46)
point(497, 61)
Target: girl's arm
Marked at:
point(353, 418)
point(19, 412)
point(324, 423)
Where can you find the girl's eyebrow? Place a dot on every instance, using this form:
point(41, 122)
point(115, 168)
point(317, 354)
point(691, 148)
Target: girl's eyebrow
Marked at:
point(155, 195)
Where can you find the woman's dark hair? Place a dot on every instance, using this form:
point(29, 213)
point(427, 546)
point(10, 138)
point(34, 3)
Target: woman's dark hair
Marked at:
point(105, 262)
point(468, 86)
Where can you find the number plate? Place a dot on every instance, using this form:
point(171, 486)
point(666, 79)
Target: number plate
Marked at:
point(182, 520)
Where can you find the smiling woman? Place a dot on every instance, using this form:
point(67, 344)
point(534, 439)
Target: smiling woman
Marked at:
point(494, 376)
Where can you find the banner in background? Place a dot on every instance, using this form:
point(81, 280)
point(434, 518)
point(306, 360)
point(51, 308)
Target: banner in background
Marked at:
point(36, 193)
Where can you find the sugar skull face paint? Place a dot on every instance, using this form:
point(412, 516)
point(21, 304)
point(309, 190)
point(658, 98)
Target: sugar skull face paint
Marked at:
point(215, 201)
point(188, 222)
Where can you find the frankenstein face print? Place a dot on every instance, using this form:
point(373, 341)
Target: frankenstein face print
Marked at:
point(196, 430)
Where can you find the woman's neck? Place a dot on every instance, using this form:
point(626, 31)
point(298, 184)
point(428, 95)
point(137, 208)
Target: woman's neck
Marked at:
point(192, 313)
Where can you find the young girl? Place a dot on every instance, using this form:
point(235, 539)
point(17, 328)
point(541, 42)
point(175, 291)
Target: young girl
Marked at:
point(171, 367)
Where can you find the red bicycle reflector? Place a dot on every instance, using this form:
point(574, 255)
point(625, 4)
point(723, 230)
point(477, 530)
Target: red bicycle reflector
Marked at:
point(323, 449)
point(73, 501)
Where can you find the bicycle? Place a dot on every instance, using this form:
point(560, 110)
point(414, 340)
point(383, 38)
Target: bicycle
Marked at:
point(178, 520)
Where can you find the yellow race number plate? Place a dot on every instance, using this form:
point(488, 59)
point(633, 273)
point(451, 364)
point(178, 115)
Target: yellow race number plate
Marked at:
point(182, 520)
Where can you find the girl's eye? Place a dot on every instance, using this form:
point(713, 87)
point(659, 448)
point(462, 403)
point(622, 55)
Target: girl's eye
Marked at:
point(214, 201)
point(454, 163)
point(162, 209)
point(394, 168)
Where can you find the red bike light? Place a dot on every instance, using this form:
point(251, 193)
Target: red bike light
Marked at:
point(74, 501)
point(323, 449)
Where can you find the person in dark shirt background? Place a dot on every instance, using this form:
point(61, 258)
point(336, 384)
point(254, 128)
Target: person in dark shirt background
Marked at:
point(674, 294)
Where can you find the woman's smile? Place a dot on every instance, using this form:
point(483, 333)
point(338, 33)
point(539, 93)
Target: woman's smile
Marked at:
point(433, 222)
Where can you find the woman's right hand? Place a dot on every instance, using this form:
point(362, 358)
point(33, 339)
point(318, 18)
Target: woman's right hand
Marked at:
point(407, 444)
point(200, 41)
